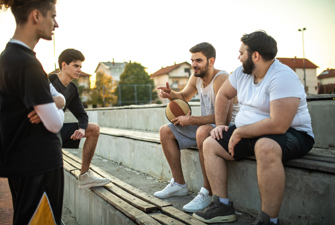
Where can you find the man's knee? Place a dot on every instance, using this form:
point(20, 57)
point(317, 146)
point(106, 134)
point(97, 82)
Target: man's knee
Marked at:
point(93, 129)
point(209, 146)
point(267, 151)
point(165, 132)
point(203, 132)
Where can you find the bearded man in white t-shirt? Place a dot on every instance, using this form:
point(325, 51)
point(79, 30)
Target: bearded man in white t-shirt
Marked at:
point(273, 124)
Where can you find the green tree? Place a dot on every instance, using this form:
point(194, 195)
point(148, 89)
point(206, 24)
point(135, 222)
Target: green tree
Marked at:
point(103, 93)
point(135, 85)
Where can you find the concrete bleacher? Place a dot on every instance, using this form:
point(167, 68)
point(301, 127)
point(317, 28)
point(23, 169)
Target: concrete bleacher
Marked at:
point(129, 136)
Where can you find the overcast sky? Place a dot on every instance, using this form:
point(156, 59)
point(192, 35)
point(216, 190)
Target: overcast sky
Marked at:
point(158, 33)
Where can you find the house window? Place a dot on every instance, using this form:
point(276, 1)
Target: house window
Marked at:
point(188, 70)
point(316, 87)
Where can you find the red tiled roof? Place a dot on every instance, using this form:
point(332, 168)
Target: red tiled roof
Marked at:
point(83, 74)
point(327, 73)
point(167, 70)
point(297, 63)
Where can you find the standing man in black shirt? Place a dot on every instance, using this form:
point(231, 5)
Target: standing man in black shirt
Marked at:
point(30, 153)
point(70, 63)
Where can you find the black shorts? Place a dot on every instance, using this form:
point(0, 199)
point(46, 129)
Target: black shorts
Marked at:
point(38, 199)
point(67, 130)
point(293, 143)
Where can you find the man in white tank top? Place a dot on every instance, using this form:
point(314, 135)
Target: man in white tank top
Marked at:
point(190, 131)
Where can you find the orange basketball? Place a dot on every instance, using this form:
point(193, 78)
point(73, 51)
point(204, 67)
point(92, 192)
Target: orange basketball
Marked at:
point(177, 107)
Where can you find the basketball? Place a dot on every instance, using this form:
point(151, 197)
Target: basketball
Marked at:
point(177, 107)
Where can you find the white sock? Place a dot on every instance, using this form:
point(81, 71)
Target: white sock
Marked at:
point(224, 201)
point(274, 220)
point(180, 185)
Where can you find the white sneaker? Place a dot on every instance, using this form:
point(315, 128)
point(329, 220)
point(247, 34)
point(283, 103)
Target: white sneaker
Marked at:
point(171, 190)
point(200, 202)
point(88, 180)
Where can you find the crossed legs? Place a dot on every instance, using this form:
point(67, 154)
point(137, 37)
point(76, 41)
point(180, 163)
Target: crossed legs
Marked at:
point(270, 172)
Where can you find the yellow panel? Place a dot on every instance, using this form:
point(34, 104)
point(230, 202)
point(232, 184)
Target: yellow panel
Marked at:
point(43, 213)
point(169, 114)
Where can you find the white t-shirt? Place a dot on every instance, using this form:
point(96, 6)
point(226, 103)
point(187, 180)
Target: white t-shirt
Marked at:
point(279, 82)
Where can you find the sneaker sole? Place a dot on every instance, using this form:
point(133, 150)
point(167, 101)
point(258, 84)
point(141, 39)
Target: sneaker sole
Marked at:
point(92, 185)
point(171, 195)
point(218, 219)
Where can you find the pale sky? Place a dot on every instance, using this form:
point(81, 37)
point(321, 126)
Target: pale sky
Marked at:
point(158, 33)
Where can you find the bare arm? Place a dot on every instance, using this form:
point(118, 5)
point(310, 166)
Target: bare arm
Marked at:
point(282, 112)
point(187, 93)
point(223, 107)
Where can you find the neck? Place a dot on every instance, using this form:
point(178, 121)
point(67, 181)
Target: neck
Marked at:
point(261, 69)
point(64, 78)
point(209, 76)
point(23, 33)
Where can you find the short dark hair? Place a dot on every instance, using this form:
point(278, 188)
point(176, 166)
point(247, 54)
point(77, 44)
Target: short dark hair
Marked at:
point(205, 48)
point(261, 42)
point(22, 8)
point(69, 55)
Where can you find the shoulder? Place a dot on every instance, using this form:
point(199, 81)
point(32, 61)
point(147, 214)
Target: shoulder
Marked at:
point(221, 76)
point(52, 77)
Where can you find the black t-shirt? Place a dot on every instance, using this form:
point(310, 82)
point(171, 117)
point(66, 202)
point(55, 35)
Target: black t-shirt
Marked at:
point(25, 149)
point(73, 102)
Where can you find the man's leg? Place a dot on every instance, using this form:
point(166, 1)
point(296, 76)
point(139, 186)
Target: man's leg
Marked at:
point(172, 153)
point(203, 132)
point(270, 175)
point(203, 199)
point(219, 210)
point(87, 179)
point(92, 135)
point(215, 157)
point(177, 186)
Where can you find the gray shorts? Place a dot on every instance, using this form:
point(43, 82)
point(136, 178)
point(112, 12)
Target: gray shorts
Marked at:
point(186, 136)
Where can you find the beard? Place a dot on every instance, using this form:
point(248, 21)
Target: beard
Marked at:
point(203, 72)
point(248, 65)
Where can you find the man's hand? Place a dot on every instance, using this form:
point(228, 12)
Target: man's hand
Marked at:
point(165, 91)
point(233, 141)
point(216, 133)
point(182, 120)
point(78, 134)
point(33, 117)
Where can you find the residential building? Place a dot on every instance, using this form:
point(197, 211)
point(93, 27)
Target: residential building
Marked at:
point(326, 82)
point(297, 65)
point(82, 81)
point(114, 69)
point(177, 75)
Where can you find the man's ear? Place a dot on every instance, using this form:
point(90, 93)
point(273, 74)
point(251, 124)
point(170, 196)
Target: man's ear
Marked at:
point(36, 16)
point(64, 65)
point(256, 56)
point(211, 61)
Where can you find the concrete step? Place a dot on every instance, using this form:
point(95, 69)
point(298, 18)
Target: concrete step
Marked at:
point(309, 181)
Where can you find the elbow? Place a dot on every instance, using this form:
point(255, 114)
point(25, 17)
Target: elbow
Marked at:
point(54, 128)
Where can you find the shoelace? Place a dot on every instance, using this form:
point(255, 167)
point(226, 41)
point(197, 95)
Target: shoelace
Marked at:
point(199, 197)
point(169, 186)
point(212, 205)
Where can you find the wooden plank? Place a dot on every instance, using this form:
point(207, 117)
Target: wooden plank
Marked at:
point(138, 193)
point(136, 202)
point(72, 162)
point(133, 200)
point(181, 216)
point(135, 214)
point(68, 167)
point(164, 219)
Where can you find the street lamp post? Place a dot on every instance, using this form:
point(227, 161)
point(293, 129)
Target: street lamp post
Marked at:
point(303, 52)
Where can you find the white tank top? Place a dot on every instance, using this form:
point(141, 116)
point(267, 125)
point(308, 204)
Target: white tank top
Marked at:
point(207, 95)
